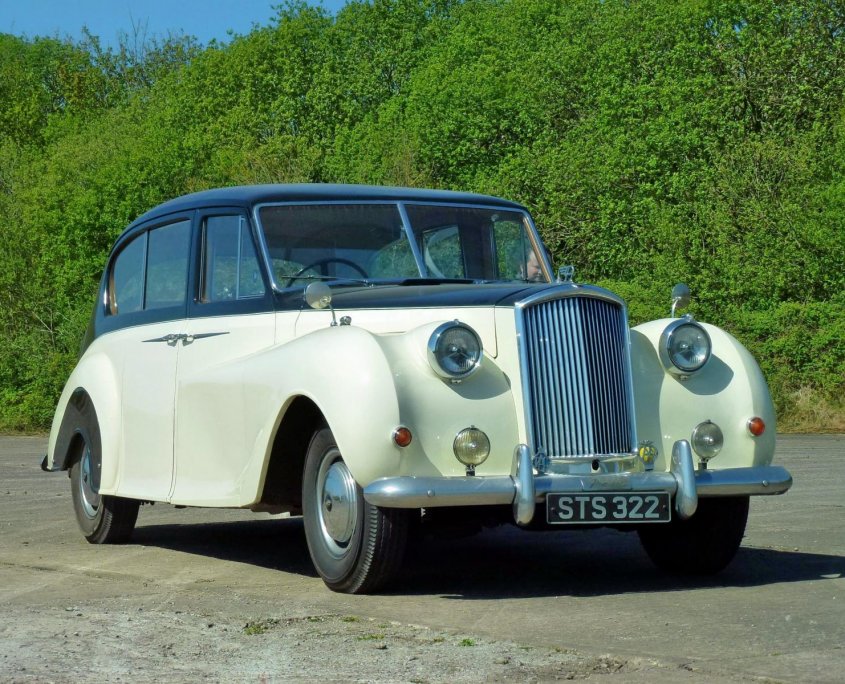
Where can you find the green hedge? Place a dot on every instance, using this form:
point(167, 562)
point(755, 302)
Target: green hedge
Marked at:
point(655, 142)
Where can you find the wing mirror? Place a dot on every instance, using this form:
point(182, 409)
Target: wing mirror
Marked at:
point(319, 296)
point(680, 297)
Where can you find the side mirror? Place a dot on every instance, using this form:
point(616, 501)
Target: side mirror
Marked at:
point(319, 296)
point(680, 297)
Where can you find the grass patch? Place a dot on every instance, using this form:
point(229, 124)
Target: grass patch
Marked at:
point(254, 627)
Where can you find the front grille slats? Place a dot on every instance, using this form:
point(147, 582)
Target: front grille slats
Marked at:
point(577, 377)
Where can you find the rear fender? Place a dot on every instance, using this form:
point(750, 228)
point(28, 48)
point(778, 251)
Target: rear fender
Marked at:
point(94, 380)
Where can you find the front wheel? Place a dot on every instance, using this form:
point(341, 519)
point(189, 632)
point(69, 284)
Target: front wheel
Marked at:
point(702, 545)
point(102, 519)
point(356, 547)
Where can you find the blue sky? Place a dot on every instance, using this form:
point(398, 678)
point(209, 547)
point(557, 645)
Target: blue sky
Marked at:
point(205, 19)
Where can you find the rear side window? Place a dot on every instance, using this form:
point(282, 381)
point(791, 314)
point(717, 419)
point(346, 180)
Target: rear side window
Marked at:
point(168, 250)
point(151, 272)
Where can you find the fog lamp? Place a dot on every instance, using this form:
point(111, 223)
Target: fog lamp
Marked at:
point(471, 447)
point(707, 440)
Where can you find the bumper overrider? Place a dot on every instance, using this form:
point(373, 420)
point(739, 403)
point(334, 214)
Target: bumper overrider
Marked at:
point(523, 489)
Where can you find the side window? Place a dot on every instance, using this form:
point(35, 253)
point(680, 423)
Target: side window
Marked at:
point(167, 265)
point(230, 265)
point(126, 287)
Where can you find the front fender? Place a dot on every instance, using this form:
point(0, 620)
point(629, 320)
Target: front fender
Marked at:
point(728, 390)
point(366, 385)
point(344, 371)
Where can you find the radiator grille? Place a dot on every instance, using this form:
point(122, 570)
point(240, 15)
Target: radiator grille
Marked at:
point(577, 383)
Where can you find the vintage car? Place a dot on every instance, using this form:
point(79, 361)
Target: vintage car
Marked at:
point(378, 358)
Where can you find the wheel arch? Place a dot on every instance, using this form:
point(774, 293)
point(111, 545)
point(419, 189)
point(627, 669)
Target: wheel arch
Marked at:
point(282, 488)
point(79, 426)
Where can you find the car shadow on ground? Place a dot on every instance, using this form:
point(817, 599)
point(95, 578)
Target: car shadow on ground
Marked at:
point(272, 544)
point(503, 562)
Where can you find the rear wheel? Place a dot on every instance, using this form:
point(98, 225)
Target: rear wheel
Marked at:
point(702, 545)
point(355, 546)
point(102, 519)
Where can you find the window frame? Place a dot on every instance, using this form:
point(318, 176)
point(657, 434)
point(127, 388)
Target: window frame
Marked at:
point(246, 305)
point(109, 320)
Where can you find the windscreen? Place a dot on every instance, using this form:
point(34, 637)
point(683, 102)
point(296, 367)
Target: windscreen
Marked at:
point(370, 242)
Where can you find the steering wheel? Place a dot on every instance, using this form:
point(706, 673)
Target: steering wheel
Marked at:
point(325, 262)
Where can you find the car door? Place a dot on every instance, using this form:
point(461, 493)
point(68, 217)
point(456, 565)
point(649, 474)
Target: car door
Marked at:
point(147, 309)
point(230, 318)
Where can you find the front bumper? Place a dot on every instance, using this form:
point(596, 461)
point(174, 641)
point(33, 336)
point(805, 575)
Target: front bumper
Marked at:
point(523, 489)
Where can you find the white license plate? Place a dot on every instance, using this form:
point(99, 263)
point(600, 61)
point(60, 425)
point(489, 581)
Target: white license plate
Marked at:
point(608, 507)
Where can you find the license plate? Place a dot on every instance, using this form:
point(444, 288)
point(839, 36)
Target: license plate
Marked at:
point(608, 507)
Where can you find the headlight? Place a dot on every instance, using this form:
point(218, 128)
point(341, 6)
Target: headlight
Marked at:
point(454, 350)
point(471, 447)
point(684, 346)
point(707, 440)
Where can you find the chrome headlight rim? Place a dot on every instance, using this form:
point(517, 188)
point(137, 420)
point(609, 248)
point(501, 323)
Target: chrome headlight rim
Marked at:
point(669, 335)
point(437, 337)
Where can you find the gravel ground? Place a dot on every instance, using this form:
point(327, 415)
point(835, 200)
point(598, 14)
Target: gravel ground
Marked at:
point(119, 644)
point(232, 597)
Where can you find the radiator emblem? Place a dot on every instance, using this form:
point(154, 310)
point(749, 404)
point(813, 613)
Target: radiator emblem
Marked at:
point(648, 453)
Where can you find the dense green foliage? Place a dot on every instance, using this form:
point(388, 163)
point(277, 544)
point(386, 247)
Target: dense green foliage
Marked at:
point(654, 141)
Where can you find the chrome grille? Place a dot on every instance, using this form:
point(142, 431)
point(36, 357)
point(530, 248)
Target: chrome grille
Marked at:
point(576, 377)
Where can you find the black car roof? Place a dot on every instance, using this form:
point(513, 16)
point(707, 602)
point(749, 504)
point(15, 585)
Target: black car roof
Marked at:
point(250, 195)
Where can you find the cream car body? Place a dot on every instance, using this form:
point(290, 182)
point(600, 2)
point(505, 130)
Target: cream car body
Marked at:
point(207, 380)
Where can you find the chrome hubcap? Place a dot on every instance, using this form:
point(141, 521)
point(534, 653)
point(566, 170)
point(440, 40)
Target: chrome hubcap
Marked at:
point(90, 498)
point(338, 503)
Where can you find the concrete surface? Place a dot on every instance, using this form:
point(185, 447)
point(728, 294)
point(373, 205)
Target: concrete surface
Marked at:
point(231, 596)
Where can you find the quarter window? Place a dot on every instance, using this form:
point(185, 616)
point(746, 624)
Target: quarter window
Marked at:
point(230, 264)
point(127, 278)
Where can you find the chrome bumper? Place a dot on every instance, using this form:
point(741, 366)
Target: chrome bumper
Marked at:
point(523, 489)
